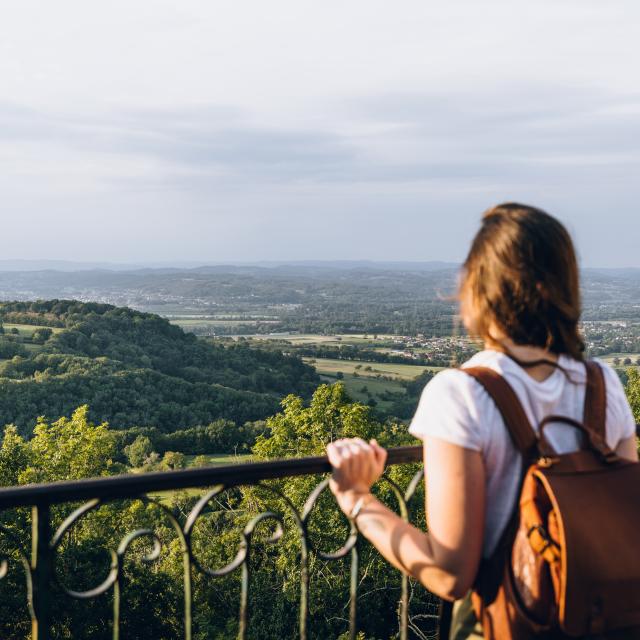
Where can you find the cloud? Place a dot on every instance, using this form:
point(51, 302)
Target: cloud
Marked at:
point(307, 129)
point(504, 133)
point(205, 141)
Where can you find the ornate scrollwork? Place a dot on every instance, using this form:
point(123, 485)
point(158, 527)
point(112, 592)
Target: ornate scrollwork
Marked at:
point(245, 543)
point(24, 561)
point(403, 497)
point(352, 538)
point(289, 513)
point(114, 574)
point(58, 537)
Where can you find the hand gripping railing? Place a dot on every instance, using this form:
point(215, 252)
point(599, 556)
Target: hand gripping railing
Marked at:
point(39, 567)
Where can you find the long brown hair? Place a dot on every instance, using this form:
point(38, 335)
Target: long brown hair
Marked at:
point(521, 276)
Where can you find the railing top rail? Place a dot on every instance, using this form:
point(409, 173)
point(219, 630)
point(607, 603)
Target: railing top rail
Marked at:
point(132, 485)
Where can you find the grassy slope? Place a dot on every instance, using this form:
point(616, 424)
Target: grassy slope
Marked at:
point(396, 371)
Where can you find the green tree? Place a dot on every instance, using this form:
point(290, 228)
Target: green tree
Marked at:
point(72, 448)
point(69, 448)
point(138, 451)
point(41, 335)
point(201, 461)
point(174, 460)
point(302, 430)
point(15, 456)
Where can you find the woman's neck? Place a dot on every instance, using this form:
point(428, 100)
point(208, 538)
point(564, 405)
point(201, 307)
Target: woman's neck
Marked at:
point(526, 353)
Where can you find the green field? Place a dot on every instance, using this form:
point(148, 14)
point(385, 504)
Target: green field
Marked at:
point(214, 460)
point(24, 335)
point(610, 357)
point(297, 339)
point(357, 388)
point(217, 459)
point(27, 330)
point(368, 369)
point(187, 323)
point(372, 380)
point(341, 339)
point(327, 340)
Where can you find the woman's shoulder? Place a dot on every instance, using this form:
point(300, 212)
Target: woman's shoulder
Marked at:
point(450, 385)
point(452, 408)
point(613, 383)
point(454, 385)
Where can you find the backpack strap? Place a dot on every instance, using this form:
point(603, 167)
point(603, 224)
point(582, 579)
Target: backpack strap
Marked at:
point(515, 419)
point(595, 399)
point(525, 439)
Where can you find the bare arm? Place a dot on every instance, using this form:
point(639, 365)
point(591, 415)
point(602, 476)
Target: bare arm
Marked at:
point(446, 559)
point(628, 448)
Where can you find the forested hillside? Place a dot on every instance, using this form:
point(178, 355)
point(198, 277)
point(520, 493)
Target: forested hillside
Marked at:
point(132, 368)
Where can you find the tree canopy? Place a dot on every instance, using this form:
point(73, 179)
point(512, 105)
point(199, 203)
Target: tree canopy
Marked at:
point(134, 368)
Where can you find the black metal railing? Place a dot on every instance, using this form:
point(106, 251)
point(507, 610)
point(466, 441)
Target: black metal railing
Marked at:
point(46, 539)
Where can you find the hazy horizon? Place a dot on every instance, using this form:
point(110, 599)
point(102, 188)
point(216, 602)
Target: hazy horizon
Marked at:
point(72, 266)
point(166, 132)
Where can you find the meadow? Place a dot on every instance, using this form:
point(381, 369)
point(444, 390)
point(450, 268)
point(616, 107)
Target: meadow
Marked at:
point(369, 382)
point(27, 330)
point(617, 359)
point(365, 369)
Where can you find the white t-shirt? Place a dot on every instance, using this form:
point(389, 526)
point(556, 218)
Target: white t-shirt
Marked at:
point(456, 408)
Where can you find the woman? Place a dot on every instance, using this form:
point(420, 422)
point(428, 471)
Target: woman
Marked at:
point(519, 294)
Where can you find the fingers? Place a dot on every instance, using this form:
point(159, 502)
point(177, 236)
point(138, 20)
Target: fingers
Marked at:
point(347, 448)
point(354, 450)
point(379, 452)
point(333, 453)
point(356, 463)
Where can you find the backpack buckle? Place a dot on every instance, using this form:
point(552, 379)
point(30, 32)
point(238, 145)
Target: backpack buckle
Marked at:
point(547, 461)
point(542, 543)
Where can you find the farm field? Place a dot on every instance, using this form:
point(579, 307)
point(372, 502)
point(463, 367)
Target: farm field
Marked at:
point(23, 334)
point(339, 339)
point(363, 390)
point(610, 359)
point(368, 370)
point(301, 339)
point(215, 460)
point(190, 323)
point(27, 330)
point(363, 383)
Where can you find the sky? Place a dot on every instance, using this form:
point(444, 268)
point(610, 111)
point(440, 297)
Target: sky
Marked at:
point(216, 131)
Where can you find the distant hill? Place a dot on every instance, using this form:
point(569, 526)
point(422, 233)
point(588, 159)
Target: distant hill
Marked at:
point(61, 265)
point(132, 368)
point(308, 297)
point(203, 266)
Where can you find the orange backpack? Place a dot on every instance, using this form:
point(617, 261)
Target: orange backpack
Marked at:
point(568, 564)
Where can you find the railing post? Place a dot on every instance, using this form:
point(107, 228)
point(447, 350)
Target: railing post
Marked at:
point(187, 587)
point(304, 586)
point(41, 571)
point(353, 594)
